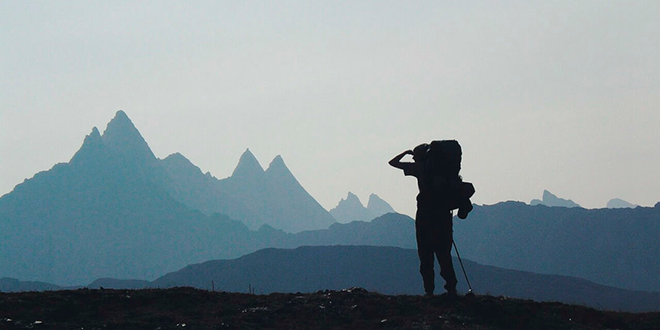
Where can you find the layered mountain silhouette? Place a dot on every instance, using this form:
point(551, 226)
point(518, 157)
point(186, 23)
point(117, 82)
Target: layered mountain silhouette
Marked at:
point(105, 213)
point(351, 209)
point(251, 195)
point(389, 270)
point(614, 247)
point(13, 285)
point(115, 210)
point(550, 199)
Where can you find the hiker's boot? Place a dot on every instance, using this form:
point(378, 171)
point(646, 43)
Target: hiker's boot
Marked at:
point(451, 295)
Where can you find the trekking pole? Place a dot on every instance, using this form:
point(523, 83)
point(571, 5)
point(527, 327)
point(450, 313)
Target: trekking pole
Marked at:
point(463, 268)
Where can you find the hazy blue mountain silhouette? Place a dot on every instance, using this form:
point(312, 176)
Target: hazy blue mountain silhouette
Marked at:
point(550, 199)
point(251, 195)
point(618, 203)
point(106, 213)
point(389, 270)
point(388, 230)
point(115, 210)
point(351, 209)
point(378, 206)
point(13, 285)
point(615, 247)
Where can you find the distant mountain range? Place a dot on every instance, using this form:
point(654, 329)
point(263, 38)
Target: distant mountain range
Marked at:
point(351, 209)
point(13, 285)
point(386, 270)
point(390, 270)
point(618, 203)
point(117, 211)
point(550, 199)
point(250, 195)
point(615, 247)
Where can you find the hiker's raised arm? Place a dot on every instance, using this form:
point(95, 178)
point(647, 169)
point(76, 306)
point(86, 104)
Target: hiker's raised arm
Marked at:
point(396, 161)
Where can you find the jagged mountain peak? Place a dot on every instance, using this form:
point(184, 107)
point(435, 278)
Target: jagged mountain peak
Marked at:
point(95, 133)
point(277, 164)
point(91, 143)
point(93, 138)
point(122, 136)
point(352, 197)
point(278, 168)
point(550, 199)
point(378, 206)
point(374, 198)
point(120, 124)
point(352, 209)
point(248, 165)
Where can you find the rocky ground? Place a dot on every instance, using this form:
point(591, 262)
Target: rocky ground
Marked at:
point(186, 308)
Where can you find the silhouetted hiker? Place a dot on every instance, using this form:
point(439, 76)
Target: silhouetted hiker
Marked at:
point(440, 191)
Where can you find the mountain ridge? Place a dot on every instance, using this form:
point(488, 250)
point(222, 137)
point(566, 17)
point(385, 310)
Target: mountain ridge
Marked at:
point(549, 199)
point(569, 241)
point(108, 212)
point(386, 270)
point(107, 215)
point(390, 270)
point(352, 209)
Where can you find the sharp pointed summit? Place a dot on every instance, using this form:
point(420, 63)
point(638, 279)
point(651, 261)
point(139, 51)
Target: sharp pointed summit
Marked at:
point(122, 137)
point(93, 139)
point(91, 149)
point(351, 209)
point(352, 198)
point(247, 166)
point(277, 167)
point(377, 206)
point(549, 199)
point(277, 162)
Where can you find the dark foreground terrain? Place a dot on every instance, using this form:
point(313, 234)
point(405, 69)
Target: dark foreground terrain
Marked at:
point(186, 308)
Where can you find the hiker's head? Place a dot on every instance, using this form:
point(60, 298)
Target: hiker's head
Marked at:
point(419, 153)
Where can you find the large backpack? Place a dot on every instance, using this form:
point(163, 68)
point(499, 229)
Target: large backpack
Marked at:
point(444, 159)
point(443, 167)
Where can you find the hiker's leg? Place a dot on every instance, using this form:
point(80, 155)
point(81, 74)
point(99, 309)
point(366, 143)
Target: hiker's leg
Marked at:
point(426, 268)
point(447, 268)
point(425, 251)
point(443, 252)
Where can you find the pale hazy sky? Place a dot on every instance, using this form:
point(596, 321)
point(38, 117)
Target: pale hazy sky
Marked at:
point(557, 95)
